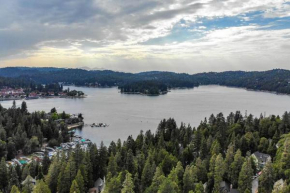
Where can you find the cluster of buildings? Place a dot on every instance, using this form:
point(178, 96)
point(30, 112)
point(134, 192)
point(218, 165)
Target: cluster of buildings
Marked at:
point(7, 93)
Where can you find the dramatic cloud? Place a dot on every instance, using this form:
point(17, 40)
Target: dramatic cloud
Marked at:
point(136, 35)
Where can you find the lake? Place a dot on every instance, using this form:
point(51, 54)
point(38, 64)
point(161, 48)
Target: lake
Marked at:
point(128, 114)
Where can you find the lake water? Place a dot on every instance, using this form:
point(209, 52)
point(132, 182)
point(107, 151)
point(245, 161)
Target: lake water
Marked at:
point(128, 114)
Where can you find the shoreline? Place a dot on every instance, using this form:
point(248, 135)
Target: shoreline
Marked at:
point(45, 97)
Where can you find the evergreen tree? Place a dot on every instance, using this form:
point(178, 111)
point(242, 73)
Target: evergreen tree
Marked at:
point(45, 163)
point(14, 180)
point(218, 173)
point(168, 186)
point(235, 168)
point(147, 174)
point(245, 176)
point(179, 171)
point(3, 175)
point(112, 165)
point(74, 187)
point(266, 180)
point(128, 185)
point(41, 187)
point(188, 179)
point(52, 176)
point(14, 189)
point(80, 181)
point(156, 182)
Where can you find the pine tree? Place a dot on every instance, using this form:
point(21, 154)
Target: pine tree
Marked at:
point(25, 172)
point(235, 168)
point(80, 181)
point(41, 187)
point(14, 189)
point(266, 180)
point(128, 185)
point(45, 163)
point(147, 174)
point(218, 172)
point(74, 187)
point(199, 188)
point(245, 176)
point(156, 182)
point(103, 159)
point(3, 175)
point(13, 178)
point(188, 179)
point(52, 176)
point(228, 160)
point(112, 165)
point(179, 171)
point(168, 186)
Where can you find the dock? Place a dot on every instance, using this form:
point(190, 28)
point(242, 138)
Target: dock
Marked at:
point(74, 126)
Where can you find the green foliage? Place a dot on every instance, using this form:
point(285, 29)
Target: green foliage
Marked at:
point(128, 185)
point(266, 180)
point(174, 159)
point(41, 187)
point(74, 187)
point(14, 189)
point(245, 176)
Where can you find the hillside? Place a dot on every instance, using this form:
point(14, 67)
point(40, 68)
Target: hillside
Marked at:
point(276, 80)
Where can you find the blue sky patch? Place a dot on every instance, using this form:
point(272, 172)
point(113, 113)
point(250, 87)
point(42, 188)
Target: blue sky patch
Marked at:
point(183, 31)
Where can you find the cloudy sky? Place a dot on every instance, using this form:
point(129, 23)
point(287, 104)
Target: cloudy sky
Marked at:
point(140, 35)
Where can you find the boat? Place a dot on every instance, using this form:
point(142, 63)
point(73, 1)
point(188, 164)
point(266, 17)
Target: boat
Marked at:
point(99, 125)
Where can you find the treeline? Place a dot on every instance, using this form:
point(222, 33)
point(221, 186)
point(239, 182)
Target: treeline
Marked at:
point(21, 130)
point(277, 80)
point(14, 83)
point(173, 159)
point(144, 87)
point(28, 85)
point(273, 80)
point(52, 87)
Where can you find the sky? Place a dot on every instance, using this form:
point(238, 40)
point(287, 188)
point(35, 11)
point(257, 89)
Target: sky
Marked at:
point(143, 35)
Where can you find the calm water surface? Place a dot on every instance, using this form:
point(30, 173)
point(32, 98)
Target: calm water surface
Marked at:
point(128, 114)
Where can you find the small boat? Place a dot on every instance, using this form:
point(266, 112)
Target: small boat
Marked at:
point(99, 125)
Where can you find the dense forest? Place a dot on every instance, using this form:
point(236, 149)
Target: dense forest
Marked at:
point(274, 80)
point(29, 85)
point(144, 87)
point(172, 159)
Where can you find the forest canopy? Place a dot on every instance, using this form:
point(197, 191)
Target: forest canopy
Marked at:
point(172, 159)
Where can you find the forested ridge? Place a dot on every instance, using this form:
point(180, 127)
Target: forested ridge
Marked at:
point(171, 159)
point(276, 80)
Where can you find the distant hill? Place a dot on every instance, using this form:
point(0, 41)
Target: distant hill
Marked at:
point(277, 80)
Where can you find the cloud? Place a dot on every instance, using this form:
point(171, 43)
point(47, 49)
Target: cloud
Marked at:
point(109, 32)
